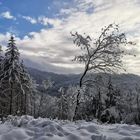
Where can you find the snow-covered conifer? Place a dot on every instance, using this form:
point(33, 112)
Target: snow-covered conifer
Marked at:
point(14, 81)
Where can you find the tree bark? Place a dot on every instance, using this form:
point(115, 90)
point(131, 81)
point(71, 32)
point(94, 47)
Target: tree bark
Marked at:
point(11, 99)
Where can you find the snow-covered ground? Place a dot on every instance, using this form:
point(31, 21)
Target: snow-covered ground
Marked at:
point(28, 128)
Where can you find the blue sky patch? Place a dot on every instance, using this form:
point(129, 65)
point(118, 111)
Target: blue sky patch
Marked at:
point(16, 24)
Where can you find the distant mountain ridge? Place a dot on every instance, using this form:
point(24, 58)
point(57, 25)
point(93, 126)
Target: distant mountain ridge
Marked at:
point(60, 80)
point(39, 76)
point(124, 81)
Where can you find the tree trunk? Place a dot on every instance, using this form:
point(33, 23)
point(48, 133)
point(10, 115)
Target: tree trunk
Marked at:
point(80, 84)
point(11, 99)
point(77, 105)
point(40, 104)
point(25, 106)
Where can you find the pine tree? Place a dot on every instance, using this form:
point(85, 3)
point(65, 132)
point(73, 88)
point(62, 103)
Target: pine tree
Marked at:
point(0, 71)
point(14, 82)
point(1, 58)
point(46, 84)
point(28, 89)
point(0, 54)
point(63, 105)
point(110, 101)
point(111, 112)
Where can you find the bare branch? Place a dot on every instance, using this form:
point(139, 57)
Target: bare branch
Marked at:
point(103, 55)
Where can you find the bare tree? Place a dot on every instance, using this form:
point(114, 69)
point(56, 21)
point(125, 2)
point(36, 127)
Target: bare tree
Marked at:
point(103, 54)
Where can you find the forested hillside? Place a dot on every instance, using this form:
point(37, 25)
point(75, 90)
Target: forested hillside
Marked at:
point(107, 97)
point(124, 82)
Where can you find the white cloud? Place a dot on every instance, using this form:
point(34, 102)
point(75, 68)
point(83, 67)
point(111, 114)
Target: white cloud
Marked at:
point(67, 11)
point(42, 20)
point(30, 19)
point(7, 15)
point(45, 21)
point(52, 49)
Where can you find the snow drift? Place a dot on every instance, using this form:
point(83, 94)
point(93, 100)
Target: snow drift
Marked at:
point(28, 128)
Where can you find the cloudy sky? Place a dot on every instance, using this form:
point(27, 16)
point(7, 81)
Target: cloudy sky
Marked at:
point(42, 29)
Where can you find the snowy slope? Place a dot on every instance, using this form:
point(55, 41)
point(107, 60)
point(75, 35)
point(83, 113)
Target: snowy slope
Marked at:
point(27, 128)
